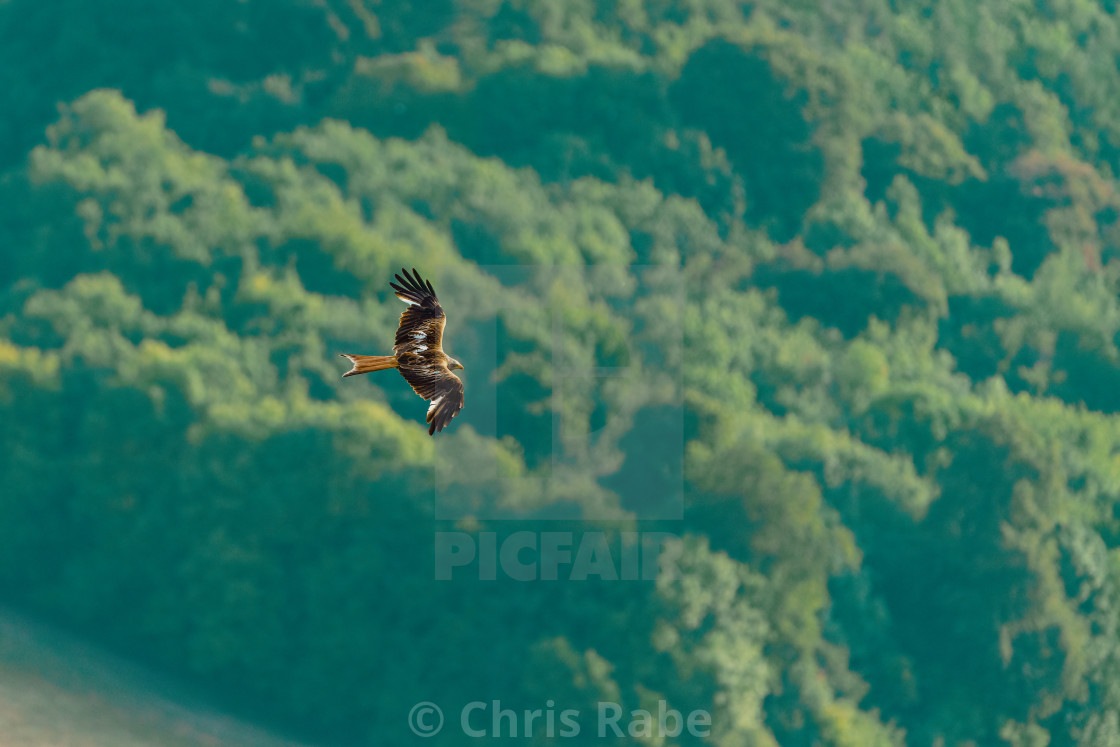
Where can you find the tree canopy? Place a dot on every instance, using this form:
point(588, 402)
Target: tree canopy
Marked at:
point(858, 263)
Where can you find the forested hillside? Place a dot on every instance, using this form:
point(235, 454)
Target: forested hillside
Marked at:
point(869, 257)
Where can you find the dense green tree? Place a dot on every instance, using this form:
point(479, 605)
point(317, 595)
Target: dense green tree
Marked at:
point(852, 268)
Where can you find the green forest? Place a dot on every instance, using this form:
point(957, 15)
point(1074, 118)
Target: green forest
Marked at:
point(858, 261)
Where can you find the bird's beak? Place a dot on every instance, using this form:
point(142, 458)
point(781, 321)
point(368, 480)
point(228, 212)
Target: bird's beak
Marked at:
point(460, 365)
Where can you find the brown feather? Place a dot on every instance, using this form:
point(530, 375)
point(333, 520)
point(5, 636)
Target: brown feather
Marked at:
point(418, 349)
point(368, 363)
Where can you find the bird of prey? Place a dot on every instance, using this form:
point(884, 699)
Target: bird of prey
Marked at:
point(418, 352)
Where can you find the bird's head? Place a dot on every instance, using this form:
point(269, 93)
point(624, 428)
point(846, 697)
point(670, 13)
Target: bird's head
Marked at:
point(453, 364)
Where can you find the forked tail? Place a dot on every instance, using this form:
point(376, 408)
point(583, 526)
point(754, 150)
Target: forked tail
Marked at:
point(367, 363)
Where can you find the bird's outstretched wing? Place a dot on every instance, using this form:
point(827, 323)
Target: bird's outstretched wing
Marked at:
point(421, 326)
point(434, 382)
point(419, 350)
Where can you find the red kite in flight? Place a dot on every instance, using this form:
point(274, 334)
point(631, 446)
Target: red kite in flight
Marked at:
point(417, 352)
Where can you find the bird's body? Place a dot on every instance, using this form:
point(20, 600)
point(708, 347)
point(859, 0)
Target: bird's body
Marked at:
point(418, 352)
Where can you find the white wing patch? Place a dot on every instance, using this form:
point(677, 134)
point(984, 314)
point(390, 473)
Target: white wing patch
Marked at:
point(410, 303)
point(432, 406)
point(419, 335)
point(420, 348)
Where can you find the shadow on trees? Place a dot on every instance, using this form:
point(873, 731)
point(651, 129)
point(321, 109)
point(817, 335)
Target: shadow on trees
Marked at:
point(733, 95)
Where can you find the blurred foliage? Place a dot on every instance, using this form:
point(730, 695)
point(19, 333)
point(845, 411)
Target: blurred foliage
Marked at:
point(893, 346)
